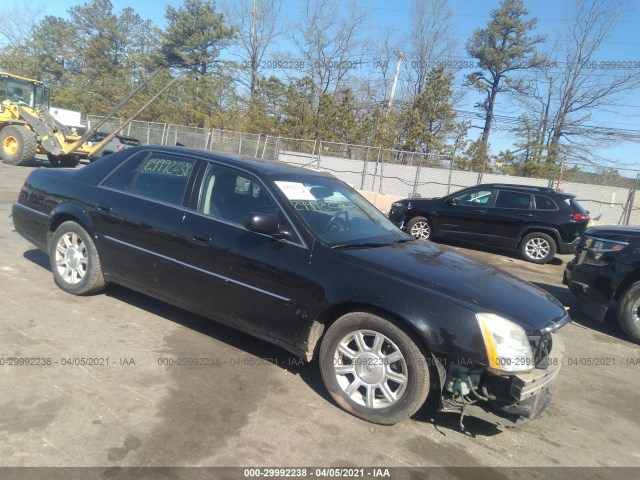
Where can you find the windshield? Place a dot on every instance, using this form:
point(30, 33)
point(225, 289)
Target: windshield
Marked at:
point(336, 213)
point(23, 93)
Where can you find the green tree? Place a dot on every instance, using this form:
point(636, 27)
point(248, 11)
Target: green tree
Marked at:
point(298, 116)
point(502, 48)
point(195, 35)
point(430, 120)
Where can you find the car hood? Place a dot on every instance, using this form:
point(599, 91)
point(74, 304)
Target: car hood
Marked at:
point(612, 232)
point(478, 285)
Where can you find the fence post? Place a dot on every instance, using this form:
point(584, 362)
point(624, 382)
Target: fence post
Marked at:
point(240, 145)
point(632, 196)
point(364, 168)
point(206, 138)
point(278, 149)
point(450, 175)
point(479, 178)
point(266, 140)
point(417, 179)
point(257, 146)
point(319, 153)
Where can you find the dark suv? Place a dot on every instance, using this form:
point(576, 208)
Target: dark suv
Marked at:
point(606, 268)
point(536, 220)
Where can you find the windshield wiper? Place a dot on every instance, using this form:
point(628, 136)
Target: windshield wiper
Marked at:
point(369, 244)
point(359, 245)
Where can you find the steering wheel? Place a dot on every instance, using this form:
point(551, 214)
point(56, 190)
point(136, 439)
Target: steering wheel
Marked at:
point(333, 220)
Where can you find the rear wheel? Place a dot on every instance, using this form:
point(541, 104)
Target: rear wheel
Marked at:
point(18, 145)
point(74, 260)
point(419, 227)
point(629, 312)
point(373, 369)
point(538, 247)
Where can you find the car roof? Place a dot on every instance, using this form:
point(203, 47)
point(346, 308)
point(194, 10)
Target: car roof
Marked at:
point(258, 166)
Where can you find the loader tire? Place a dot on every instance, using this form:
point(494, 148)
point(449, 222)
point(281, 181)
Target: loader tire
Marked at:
point(18, 145)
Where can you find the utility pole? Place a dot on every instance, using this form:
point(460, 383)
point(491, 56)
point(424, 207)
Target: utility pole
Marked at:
point(395, 81)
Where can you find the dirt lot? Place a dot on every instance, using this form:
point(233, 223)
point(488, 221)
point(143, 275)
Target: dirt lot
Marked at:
point(256, 405)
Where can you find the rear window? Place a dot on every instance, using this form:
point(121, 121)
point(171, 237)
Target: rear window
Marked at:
point(508, 199)
point(575, 205)
point(545, 203)
point(158, 176)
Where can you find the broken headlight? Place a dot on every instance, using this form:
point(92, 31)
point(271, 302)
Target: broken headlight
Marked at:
point(507, 344)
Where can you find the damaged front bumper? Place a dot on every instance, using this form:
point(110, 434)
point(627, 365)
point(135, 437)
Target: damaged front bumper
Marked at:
point(508, 400)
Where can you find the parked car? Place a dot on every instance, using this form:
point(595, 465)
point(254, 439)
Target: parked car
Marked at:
point(537, 221)
point(607, 268)
point(118, 143)
point(300, 259)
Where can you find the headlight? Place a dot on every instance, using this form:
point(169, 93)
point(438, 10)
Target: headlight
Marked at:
point(507, 344)
point(595, 248)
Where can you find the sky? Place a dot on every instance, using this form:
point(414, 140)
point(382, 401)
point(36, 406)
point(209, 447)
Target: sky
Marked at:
point(468, 15)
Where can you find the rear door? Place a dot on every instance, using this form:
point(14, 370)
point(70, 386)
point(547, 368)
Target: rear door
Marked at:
point(511, 213)
point(138, 214)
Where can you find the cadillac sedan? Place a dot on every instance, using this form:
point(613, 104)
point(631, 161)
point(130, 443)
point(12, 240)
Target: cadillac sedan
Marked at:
point(300, 259)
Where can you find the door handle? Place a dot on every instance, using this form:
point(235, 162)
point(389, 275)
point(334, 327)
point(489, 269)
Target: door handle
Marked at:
point(479, 211)
point(103, 208)
point(201, 238)
point(525, 215)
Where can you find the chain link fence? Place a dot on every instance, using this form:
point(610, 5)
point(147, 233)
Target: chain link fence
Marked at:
point(609, 194)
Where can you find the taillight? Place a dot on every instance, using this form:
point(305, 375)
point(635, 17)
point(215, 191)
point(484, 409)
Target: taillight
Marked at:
point(24, 184)
point(580, 217)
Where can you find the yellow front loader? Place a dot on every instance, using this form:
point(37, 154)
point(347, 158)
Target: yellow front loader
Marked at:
point(27, 128)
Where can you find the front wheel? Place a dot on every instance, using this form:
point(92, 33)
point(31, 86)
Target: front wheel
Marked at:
point(538, 247)
point(629, 312)
point(74, 260)
point(18, 145)
point(373, 369)
point(419, 227)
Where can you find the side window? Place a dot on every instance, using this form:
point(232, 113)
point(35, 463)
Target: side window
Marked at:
point(163, 177)
point(230, 195)
point(474, 198)
point(508, 199)
point(122, 178)
point(545, 203)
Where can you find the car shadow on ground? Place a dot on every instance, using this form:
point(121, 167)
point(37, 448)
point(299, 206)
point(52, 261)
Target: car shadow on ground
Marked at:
point(308, 372)
point(608, 327)
point(502, 251)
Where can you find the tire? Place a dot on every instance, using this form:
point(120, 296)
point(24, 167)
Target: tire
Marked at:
point(538, 247)
point(420, 228)
point(63, 161)
point(18, 145)
point(360, 379)
point(74, 260)
point(628, 312)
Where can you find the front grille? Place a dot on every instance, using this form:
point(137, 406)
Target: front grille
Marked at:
point(580, 245)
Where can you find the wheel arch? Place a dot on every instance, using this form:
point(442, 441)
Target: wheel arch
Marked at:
point(332, 313)
point(69, 212)
point(552, 232)
point(630, 279)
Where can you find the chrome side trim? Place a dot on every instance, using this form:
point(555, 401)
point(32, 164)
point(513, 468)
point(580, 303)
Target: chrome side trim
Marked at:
point(221, 277)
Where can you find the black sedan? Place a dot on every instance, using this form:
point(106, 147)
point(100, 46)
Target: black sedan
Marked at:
point(300, 259)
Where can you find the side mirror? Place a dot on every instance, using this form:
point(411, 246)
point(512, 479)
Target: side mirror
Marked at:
point(452, 201)
point(262, 223)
